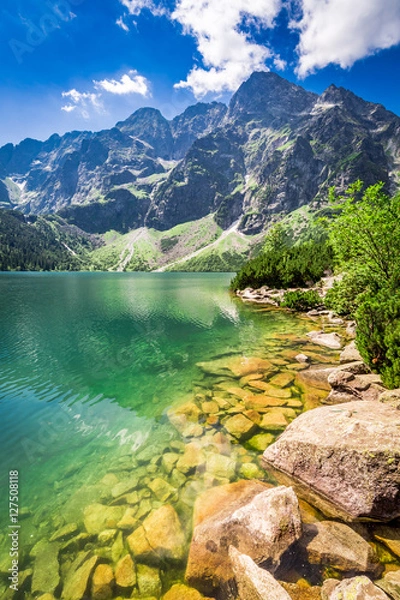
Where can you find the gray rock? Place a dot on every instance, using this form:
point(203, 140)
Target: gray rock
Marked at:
point(350, 353)
point(338, 546)
point(263, 528)
point(340, 379)
point(329, 340)
point(302, 358)
point(340, 397)
point(252, 582)
point(347, 454)
point(356, 588)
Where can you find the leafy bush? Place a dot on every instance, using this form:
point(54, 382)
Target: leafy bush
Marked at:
point(301, 301)
point(344, 296)
point(284, 267)
point(366, 238)
point(378, 334)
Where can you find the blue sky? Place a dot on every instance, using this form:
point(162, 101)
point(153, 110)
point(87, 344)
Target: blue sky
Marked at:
point(85, 64)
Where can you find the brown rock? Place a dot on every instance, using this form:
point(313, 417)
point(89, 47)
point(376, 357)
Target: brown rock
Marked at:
point(159, 538)
point(161, 489)
point(238, 366)
point(192, 458)
point(102, 583)
point(232, 495)
point(125, 572)
point(348, 454)
point(252, 582)
point(302, 592)
point(390, 536)
point(271, 390)
point(210, 408)
point(337, 545)
point(277, 419)
point(98, 517)
point(264, 529)
point(240, 427)
point(182, 592)
point(77, 579)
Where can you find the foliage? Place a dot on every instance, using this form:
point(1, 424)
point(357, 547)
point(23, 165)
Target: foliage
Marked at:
point(41, 244)
point(301, 301)
point(343, 296)
point(378, 334)
point(366, 234)
point(366, 239)
point(281, 266)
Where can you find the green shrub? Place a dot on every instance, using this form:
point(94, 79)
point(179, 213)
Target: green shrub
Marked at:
point(378, 334)
point(301, 301)
point(284, 267)
point(343, 297)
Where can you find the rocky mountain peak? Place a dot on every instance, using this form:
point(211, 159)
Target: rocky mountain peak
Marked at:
point(269, 99)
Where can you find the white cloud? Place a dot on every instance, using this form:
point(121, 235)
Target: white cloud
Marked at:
point(229, 54)
point(135, 7)
point(84, 102)
point(130, 83)
point(121, 23)
point(342, 32)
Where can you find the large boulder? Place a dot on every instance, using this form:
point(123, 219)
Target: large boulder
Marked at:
point(252, 582)
point(348, 455)
point(262, 528)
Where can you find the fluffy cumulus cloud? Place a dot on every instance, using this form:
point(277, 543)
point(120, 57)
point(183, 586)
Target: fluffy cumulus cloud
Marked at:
point(82, 102)
point(130, 83)
point(86, 103)
point(341, 32)
point(228, 52)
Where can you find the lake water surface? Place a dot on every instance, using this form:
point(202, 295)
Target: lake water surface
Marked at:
point(89, 365)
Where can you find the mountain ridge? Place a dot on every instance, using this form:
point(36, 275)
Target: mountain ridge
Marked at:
point(275, 148)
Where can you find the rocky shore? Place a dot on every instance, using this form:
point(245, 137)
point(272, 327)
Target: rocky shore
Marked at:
point(277, 478)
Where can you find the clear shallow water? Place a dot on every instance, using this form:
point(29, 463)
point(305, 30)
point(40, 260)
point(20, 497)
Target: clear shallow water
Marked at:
point(89, 365)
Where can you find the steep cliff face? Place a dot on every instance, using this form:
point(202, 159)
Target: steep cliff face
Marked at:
point(275, 148)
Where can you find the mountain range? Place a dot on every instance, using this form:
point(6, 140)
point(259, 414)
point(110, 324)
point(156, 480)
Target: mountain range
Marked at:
point(276, 149)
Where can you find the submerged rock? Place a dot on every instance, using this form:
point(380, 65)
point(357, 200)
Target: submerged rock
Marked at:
point(356, 588)
point(102, 583)
point(252, 582)
point(149, 582)
point(160, 537)
point(240, 427)
point(348, 454)
point(263, 528)
point(78, 576)
point(338, 546)
point(179, 591)
point(125, 572)
point(236, 366)
point(46, 575)
point(98, 517)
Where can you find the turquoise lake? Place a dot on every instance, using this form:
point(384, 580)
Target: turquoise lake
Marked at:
point(90, 363)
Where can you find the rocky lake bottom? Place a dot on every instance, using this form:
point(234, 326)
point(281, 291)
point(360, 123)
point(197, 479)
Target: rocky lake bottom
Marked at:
point(136, 406)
